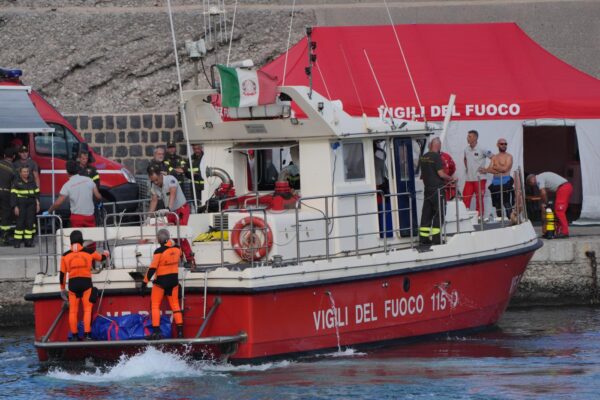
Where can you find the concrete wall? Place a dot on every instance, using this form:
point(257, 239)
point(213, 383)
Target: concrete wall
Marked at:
point(560, 273)
point(129, 139)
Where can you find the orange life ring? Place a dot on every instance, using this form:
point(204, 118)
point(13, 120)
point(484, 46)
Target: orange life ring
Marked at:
point(249, 245)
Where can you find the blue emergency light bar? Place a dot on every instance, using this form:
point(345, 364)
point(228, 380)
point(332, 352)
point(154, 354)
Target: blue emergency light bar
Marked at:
point(10, 73)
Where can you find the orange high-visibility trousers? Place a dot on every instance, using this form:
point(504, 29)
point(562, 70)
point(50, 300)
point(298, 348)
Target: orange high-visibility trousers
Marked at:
point(156, 299)
point(74, 311)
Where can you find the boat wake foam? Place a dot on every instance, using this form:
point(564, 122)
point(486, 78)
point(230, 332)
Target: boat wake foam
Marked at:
point(157, 365)
point(347, 352)
point(149, 363)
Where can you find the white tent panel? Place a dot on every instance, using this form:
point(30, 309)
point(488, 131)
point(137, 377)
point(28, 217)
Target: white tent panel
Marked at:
point(489, 133)
point(588, 138)
point(17, 112)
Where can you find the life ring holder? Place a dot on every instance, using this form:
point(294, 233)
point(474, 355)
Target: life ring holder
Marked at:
point(248, 251)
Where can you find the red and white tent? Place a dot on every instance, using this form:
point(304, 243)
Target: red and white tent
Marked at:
point(502, 79)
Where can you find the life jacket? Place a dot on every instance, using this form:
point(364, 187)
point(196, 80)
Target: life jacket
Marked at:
point(78, 262)
point(166, 259)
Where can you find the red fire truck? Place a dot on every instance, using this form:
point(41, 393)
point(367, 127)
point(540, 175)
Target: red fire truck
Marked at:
point(51, 149)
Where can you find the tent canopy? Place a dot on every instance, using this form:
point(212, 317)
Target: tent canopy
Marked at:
point(17, 112)
point(495, 70)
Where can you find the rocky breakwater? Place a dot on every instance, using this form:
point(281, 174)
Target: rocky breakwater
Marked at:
point(102, 56)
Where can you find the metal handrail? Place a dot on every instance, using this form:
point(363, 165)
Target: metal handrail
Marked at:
point(331, 218)
point(142, 215)
point(52, 218)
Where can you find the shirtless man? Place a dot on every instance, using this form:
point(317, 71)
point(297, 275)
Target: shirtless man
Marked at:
point(502, 183)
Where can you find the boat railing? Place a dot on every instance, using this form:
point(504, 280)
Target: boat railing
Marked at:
point(47, 226)
point(329, 217)
point(142, 216)
point(112, 208)
point(509, 197)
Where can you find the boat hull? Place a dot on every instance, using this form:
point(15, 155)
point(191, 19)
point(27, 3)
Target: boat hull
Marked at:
point(310, 318)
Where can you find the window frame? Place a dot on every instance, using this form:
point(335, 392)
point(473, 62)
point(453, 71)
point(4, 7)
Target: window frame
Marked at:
point(362, 178)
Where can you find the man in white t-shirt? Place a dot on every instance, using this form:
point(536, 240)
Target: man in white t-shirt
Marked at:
point(81, 191)
point(549, 181)
point(166, 188)
point(474, 158)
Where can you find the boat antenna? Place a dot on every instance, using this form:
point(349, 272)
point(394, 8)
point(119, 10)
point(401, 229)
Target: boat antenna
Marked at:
point(379, 88)
point(224, 21)
point(204, 19)
point(287, 49)
point(312, 57)
point(181, 102)
point(412, 82)
point(232, 26)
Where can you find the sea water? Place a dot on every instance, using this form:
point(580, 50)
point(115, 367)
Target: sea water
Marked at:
point(534, 353)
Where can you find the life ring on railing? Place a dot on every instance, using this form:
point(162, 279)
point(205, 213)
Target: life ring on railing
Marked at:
point(251, 238)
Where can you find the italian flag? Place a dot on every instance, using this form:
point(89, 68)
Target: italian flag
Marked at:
point(242, 87)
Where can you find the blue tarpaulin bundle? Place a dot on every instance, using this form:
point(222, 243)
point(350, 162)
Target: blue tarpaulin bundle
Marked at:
point(126, 327)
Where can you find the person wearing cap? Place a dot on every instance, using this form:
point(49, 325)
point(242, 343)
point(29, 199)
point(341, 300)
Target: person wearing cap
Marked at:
point(165, 266)
point(23, 160)
point(24, 199)
point(77, 264)
point(7, 176)
point(158, 161)
point(167, 189)
point(81, 192)
point(86, 168)
point(176, 164)
point(196, 173)
point(551, 182)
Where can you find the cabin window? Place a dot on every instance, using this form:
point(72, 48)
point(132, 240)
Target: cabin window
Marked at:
point(405, 175)
point(354, 161)
point(267, 166)
point(62, 139)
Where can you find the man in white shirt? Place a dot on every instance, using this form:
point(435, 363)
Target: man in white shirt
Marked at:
point(474, 158)
point(549, 181)
point(166, 188)
point(81, 192)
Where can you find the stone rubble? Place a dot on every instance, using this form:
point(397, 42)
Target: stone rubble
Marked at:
point(121, 60)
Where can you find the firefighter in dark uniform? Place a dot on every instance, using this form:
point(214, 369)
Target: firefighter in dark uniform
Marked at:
point(165, 265)
point(434, 205)
point(177, 164)
point(86, 168)
point(24, 200)
point(7, 176)
point(195, 173)
point(158, 162)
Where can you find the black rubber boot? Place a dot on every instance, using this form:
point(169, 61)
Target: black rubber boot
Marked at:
point(17, 243)
point(29, 243)
point(87, 336)
point(155, 335)
point(73, 338)
point(179, 331)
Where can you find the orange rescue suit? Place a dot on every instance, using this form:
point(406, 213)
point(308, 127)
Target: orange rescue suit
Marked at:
point(165, 264)
point(77, 263)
